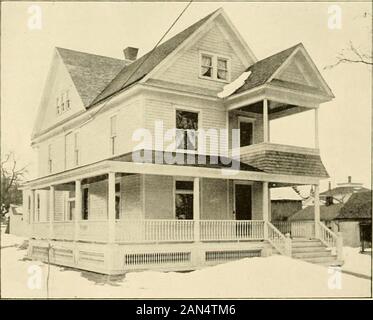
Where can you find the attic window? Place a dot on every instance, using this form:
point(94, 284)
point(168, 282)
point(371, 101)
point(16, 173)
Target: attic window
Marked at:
point(63, 103)
point(214, 67)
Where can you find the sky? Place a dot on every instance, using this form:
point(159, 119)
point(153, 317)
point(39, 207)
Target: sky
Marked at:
point(107, 28)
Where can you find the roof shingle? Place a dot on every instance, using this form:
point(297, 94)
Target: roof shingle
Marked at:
point(90, 73)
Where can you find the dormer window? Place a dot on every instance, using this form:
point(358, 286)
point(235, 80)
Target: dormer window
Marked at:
point(214, 67)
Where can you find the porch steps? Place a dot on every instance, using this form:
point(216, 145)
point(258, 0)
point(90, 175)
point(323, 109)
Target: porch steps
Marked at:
point(313, 251)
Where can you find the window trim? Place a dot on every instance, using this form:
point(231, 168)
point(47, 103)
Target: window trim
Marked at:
point(215, 57)
point(175, 191)
point(187, 109)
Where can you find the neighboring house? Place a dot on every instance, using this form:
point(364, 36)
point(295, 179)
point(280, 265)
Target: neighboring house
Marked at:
point(355, 220)
point(17, 224)
point(284, 203)
point(109, 200)
point(340, 194)
point(352, 218)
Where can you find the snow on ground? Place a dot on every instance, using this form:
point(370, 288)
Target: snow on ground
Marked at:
point(357, 262)
point(270, 277)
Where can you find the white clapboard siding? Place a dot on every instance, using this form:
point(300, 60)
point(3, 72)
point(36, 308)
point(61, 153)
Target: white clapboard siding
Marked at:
point(185, 70)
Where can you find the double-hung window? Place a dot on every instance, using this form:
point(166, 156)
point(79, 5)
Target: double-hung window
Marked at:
point(113, 134)
point(184, 199)
point(71, 205)
point(214, 67)
point(186, 130)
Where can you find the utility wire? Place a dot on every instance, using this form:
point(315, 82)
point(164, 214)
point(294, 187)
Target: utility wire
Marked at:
point(139, 66)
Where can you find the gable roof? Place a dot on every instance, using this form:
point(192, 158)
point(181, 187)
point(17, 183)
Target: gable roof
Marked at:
point(359, 206)
point(262, 70)
point(142, 66)
point(90, 73)
point(326, 213)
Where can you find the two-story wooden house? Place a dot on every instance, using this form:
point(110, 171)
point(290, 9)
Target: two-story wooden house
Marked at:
point(113, 196)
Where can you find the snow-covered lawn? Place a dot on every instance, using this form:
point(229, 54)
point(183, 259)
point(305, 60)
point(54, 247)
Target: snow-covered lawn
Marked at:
point(357, 262)
point(275, 276)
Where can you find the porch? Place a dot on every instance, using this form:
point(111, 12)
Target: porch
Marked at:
point(119, 215)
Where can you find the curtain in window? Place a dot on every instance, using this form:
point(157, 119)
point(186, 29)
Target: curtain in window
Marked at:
point(222, 69)
point(206, 66)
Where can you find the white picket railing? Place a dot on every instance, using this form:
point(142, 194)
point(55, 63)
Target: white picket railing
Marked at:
point(278, 240)
point(63, 230)
point(93, 230)
point(303, 229)
point(40, 230)
point(330, 239)
point(185, 230)
point(216, 230)
point(154, 230)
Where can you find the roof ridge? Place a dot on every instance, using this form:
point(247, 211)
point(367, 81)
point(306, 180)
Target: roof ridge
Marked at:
point(88, 53)
point(162, 46)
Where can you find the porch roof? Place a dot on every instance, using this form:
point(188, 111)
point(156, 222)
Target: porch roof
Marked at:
point(186, 159)
point(125, 164)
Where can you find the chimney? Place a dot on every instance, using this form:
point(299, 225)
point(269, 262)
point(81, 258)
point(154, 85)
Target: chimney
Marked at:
point(349, 179)
point(130, 54)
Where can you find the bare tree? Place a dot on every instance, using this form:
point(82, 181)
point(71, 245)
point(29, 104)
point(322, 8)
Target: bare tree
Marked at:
point(11, 178)
point(354, 54)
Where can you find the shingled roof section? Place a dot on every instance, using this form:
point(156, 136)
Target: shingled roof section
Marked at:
point(279, 162)
point(327, 213)
point(359, 206)
point(199, 160)
point(142, 66)
point(90, 73)
point(263, 69)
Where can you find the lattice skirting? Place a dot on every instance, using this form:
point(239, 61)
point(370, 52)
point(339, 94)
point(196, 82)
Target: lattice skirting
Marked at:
point(119, 259)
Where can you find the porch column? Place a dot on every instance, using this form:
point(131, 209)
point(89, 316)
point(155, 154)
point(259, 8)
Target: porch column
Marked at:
point(196, 210)
point(265, 208)
point(265, 121)
point(316, 128)
point(317, 210)
point(78, 208)
point(51, 211)
point(111, 207)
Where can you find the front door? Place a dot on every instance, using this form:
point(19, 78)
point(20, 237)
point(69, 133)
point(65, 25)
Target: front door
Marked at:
point(243, 201)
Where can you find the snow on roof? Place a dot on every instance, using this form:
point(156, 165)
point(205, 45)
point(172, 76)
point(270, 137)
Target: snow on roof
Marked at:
point(284, 194)
point(234, 85)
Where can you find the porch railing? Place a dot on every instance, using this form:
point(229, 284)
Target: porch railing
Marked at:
point(278, 240)
point(63, 230)
point(154, 230)
point(304, 229)
point(93, 230)
point(330, 239)
point(214, 230)
point(40, 230)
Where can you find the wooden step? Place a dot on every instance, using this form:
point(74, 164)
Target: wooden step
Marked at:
point(322, 260)
point(311, 254)
point(310, 249)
